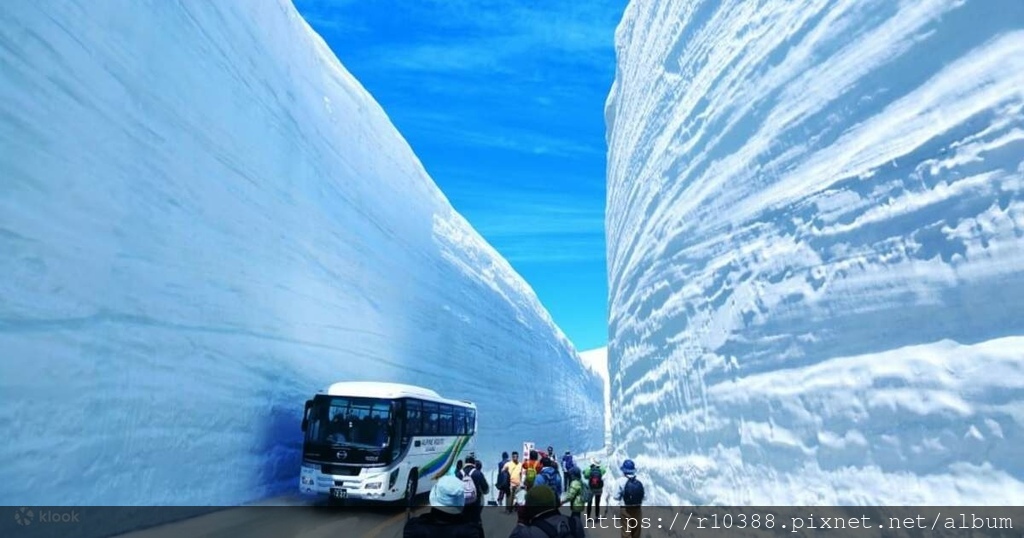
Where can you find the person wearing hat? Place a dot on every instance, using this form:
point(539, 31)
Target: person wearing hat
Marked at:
point(445, 518)
point(540, 517)
point(630, 494)
point(593, 483)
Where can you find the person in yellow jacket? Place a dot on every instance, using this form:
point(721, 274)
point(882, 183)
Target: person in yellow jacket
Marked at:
point(515, 479)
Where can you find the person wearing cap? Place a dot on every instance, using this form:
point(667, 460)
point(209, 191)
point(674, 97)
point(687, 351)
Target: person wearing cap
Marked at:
point(445, 518)
point(540, 517)
point(630, 508)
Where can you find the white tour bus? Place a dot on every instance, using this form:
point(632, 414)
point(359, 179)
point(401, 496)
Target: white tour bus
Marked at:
point(381, 441)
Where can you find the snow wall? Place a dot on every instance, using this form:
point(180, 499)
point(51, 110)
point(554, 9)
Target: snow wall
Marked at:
point(204, 219)
point(816, 263)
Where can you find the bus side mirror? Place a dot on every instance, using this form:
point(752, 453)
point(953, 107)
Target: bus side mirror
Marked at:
point(305, 415)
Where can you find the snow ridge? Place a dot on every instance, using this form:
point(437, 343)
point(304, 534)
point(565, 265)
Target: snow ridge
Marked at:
point(816, 250)
point(204, 219)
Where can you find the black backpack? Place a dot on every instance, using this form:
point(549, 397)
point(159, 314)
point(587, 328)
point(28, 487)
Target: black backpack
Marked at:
point(595, 481)
point(504, 480)
point(633, 492)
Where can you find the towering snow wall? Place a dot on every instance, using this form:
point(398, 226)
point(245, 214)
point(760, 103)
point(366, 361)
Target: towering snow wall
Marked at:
point(204, 219)
point(597, 360)
point(816, 263)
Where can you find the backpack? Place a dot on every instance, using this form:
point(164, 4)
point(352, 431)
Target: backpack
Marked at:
point(595, 481)
point(564, 529)
point(632, 492)
point(504, 479)
point(531, 475)
point(469, 488)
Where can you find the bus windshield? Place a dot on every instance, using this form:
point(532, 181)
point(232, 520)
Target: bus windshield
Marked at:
point(354, 422)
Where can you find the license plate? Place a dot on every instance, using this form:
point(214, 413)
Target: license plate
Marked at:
point(338, 493)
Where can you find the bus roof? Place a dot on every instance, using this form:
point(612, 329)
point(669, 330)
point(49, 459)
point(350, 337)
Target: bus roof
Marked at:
point(373, 389)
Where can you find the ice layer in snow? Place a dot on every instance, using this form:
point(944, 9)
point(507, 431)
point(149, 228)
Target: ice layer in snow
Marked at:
point(204, 219)
point(816, 264)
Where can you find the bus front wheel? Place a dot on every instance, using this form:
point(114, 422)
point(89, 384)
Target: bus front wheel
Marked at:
point(410, 489)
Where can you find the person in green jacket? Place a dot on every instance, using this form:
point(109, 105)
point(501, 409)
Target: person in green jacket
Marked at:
point(593, 485)
point(574, 496)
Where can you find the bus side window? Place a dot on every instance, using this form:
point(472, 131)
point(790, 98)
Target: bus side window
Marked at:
point(460, 421)
point(414, 419)
point(471, 421)
point(439, 428)
point(446, 419)
point(430, 419)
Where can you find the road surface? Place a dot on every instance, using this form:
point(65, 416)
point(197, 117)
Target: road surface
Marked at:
point(295, 517)
point(307, 521)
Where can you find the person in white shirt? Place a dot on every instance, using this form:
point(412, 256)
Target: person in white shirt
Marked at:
point(629, 492)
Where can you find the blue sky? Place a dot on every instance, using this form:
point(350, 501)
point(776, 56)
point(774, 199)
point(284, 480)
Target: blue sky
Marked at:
point(503, 102)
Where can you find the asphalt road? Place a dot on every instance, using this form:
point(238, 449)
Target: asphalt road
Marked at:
point(306, 521)
point(294, 517)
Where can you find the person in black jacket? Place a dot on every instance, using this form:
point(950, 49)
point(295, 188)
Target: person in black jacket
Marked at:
point(475, 510)
point(502, 489)
point(446, 518)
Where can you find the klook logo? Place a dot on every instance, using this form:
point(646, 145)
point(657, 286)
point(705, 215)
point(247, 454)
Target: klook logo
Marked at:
point(24, 516)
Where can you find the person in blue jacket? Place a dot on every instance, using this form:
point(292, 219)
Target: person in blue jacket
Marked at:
point(549, 477)
point(567, 465)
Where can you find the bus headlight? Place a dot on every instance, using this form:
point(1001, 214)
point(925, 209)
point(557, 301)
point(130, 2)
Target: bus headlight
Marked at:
point(374, 485)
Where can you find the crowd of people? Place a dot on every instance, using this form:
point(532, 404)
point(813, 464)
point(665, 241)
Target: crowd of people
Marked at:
point(535, 491)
